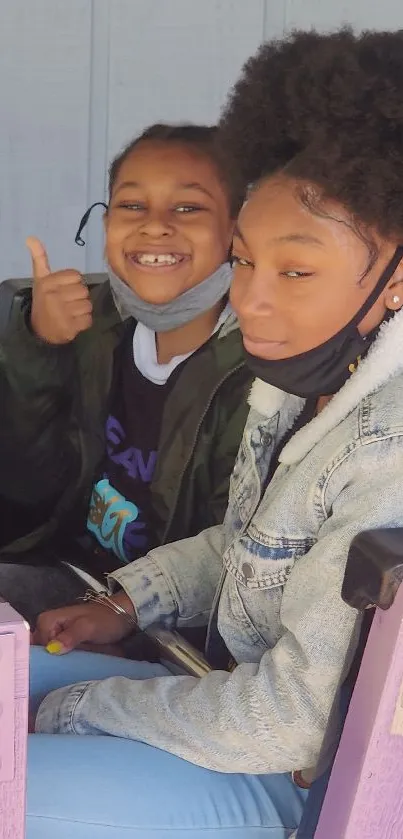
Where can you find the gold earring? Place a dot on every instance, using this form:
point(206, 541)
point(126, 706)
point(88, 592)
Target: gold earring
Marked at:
point(353, 366)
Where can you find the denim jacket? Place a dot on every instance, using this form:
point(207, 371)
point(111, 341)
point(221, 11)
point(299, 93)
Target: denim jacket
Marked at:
point(272, 574)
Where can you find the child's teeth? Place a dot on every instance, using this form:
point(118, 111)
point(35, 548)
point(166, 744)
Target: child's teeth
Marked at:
point(157, 259)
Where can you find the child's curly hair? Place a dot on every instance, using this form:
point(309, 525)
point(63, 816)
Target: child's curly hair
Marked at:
point(330, 109)
point(199, 137)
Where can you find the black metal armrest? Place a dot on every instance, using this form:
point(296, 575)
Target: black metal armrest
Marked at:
point(173, 647)
point(12, 294)
point(374, 568)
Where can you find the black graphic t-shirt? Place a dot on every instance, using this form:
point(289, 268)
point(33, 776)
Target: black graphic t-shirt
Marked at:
point(120, 515)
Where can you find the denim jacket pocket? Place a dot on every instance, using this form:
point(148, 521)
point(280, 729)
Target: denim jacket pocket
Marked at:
point(256, 574)
point(259, 561)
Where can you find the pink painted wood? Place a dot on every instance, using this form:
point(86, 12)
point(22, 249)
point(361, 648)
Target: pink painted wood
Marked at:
point(14, 662)
point(364, 799)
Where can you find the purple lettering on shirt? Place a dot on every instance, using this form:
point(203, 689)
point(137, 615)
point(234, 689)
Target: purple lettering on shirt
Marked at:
point(114, 434)
point(146, 470)
point(134, 463)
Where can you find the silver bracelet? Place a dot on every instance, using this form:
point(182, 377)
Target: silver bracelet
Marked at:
point(106, 600)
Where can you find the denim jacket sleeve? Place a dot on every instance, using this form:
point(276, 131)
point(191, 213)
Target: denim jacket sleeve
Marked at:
point(269, 716)
point(175, 584)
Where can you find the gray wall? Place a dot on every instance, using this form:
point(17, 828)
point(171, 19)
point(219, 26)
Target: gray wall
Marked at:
point(78, 79)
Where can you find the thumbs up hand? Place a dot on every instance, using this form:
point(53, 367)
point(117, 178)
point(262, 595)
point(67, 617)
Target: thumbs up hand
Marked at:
point(61, 305)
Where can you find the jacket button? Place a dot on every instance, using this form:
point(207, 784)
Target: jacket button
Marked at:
point(248, 570)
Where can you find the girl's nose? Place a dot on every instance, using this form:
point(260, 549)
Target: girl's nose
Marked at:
point(156, 226)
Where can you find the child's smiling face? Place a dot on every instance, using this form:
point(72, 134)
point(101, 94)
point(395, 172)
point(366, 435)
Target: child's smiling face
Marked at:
point(168, 224)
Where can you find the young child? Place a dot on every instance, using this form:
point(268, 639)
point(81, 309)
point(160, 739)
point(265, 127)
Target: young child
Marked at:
point(124, 405)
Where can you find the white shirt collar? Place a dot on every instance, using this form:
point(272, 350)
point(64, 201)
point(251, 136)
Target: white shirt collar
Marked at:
point(145, 352)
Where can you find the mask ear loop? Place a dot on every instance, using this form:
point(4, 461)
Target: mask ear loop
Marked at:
point(78, 238)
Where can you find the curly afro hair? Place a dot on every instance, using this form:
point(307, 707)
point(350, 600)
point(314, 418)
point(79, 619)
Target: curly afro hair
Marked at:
point(330, 109)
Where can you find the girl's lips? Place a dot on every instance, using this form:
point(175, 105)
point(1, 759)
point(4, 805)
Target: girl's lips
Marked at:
point(264, 349)
point(161, 262)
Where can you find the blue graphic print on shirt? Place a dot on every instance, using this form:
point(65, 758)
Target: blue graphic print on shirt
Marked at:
point(109, 517)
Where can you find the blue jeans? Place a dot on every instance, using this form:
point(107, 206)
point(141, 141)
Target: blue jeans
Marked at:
point(110, 788)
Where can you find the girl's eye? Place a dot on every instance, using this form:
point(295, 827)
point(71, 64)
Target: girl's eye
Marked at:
point(187, 208)
point(240, 261)
point(296, 274)
point(136, 206)
point(131, 205)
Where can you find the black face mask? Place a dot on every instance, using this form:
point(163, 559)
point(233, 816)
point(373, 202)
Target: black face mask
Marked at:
point(323, 370)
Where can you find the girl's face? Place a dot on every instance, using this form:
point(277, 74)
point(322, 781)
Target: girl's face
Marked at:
point(168, 224)
point(299, 277)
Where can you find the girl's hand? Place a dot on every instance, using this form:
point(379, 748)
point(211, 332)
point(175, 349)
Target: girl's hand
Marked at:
point(65, 629)
point(61, 305)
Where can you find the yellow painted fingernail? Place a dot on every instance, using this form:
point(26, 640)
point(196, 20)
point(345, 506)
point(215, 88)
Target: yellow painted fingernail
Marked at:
point(54, 647)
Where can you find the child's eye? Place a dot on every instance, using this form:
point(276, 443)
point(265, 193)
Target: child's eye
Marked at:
point(240, 261)
point(131, 205)
point(187, 208)
point(296, 274)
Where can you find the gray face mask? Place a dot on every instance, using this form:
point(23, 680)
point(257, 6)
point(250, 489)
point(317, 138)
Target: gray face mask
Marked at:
point(178, 312)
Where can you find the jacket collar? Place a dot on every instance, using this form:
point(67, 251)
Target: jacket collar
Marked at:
point(383, 362)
